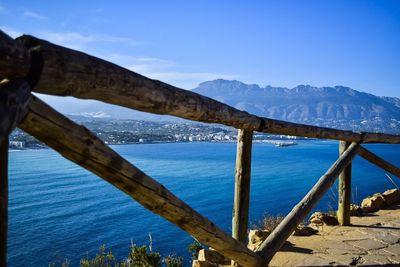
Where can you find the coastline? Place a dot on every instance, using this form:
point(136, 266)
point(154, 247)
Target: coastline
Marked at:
point(273, 142)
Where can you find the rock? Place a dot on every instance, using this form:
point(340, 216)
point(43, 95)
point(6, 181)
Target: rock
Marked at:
point(198, 263)
point(211, 256)
point(355, 210)
point(319, 218)
point(256, 237)
point(391, 196)
point(304, 230)
point(374, 203)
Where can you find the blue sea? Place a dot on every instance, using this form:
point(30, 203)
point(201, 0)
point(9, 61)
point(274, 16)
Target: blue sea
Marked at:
point(58, 210)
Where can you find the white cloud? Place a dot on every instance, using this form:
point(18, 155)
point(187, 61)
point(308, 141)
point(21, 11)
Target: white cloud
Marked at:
point(152, 67)
point(165, 70)
point(72, 40)
point(33, 15)
point(77, 40)
point(10, 31)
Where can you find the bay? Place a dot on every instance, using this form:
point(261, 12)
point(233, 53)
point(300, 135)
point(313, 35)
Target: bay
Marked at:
point(58, 210)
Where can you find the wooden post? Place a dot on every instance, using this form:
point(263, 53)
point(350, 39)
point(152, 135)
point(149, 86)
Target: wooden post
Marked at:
point(14, 58)
point(344, 201)
point(378, 161)
point(14, 96)
point(242, 186)
point(3, 201)
point(278, 237)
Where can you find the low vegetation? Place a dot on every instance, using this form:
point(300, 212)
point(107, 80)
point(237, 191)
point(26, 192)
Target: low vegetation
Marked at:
point(139, 256)
point(194, 249)
point(268, 222)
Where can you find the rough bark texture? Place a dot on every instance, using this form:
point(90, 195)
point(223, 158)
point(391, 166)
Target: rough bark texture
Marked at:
point(67, 72)
point(278, 237)
point(343, 213)
point(242, 186)
point(3, 201)
point(14, 58)
point(378, 161)
point(296, 129)
point(14, 96)
point(79, 145)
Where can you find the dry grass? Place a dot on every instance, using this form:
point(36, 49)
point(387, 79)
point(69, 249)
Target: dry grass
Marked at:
point(268, 222)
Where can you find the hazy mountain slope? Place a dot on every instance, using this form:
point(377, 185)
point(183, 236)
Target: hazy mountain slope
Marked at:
point(329, 106)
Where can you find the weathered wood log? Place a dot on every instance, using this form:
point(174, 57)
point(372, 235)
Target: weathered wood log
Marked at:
point(242, 186)
point(278, 237)
point(14, 58)
point(67, 72)
point(3, 201)
point(344, 202)
point(14, 96)
point(378, 161)
point(296, 129)
point(79, 145)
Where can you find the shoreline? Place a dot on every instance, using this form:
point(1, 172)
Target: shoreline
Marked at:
point(269, 141)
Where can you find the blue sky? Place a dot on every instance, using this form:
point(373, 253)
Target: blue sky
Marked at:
point(279, 43)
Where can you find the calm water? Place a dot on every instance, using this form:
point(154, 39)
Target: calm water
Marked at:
point(58, 210)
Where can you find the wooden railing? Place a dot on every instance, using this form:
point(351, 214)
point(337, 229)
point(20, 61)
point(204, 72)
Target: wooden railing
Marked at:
point(30, 64)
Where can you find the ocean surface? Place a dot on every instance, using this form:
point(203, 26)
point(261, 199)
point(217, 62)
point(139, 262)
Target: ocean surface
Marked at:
point(58, 210)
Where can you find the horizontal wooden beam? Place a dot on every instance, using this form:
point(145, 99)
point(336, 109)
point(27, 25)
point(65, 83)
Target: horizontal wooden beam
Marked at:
point(297, 129)
point(14, 58)
point(66, 72)
point(14, 97)
point(79, 145)
point(378, 161)
point(281, 233)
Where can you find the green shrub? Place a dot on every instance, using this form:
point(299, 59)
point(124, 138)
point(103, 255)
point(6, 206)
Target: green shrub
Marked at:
point(139, 257)
point(194, 249)
point(102, 259)
point(173, 261)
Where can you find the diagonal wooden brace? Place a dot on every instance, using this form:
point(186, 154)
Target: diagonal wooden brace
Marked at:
point(78, 144)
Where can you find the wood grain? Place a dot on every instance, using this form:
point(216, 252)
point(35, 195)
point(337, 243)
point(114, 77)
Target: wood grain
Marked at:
point(14, 58)
point(344, 201)
point(242, 186)
point(67, 72)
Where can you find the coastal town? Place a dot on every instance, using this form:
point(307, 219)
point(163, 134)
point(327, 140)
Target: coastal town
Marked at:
point(117, 132)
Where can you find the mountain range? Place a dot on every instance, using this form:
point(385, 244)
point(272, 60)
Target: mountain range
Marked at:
point(338, 106)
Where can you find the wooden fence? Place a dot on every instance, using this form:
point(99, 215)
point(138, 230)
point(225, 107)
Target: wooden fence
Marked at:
point(29, 64)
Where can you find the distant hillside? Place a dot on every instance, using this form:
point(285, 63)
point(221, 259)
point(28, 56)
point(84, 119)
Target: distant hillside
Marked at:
point(338, 106)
